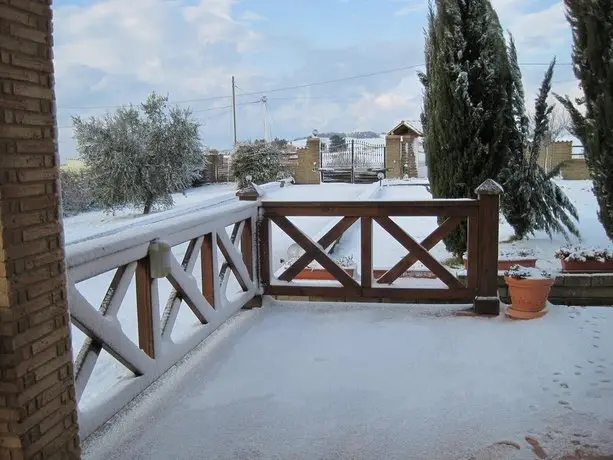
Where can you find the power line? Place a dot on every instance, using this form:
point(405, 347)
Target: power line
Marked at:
point(301, 86)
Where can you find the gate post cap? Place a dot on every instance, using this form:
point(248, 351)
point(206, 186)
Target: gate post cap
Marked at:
point(489, 187)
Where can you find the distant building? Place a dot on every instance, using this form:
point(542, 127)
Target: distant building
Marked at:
point(404, 128)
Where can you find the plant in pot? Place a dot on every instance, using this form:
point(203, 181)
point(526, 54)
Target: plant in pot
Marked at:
point(525, 257)
point(529, 289)
point(577, 259)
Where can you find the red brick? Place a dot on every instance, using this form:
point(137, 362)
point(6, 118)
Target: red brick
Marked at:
point(29, 34)
point(34, 91)
point(20, 132)
point(23, 190)
point(40, 231)
point(15, 73)
point(12, 14)
point(40, 8)
point(19, 44)
point(27, 219)
point(35, 119)
point(29, 62)
point(48, 285)
point(35, 146)
point(9, 101)
point(38, 202)
point(22, 161)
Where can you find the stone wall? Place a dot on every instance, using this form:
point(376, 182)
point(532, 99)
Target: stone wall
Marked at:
point(306, 170)
point(561, 152)
point(575, 289)
point(38, 417)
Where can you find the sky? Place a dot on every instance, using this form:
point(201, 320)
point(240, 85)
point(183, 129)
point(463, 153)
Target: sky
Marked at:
point(114, 52)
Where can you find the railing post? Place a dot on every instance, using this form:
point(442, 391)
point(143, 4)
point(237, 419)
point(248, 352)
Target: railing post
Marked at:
point(250, 244)
point(352, 161)
point(487, 301)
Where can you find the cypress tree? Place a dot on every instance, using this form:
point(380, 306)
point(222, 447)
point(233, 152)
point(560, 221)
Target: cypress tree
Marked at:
point(592, 115)
point(533, 200)
point(467, 110)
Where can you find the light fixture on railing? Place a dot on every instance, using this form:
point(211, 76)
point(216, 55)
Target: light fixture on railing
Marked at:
point(380, 176)
point(159, 259)
point(249, 178)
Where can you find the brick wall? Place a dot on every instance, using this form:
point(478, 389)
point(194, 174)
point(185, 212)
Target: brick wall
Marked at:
point(575, 169)
point(38, 418)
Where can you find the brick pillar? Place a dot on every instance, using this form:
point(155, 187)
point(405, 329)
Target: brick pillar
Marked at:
point(409, 160)
point(38, 418)
point(393, 157)
point(307, 171)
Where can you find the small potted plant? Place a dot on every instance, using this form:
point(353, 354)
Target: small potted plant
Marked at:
point(529, 289)
point(577, 259)
point(513, 256)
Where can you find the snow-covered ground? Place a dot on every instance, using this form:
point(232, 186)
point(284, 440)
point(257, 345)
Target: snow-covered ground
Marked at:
point(297, 381)
point(98, 223)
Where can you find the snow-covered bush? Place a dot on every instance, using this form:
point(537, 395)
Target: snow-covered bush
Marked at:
point(521, 273)
point(260, 160)
point(578, 254)
point(76, 190)
point(140, 155)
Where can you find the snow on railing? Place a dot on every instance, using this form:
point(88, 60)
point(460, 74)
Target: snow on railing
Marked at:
point(166, 251)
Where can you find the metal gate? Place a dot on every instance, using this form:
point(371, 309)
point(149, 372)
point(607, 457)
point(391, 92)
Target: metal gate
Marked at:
point(354, 161)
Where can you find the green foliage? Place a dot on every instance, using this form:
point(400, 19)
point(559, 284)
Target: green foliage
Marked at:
point(139, 156)
point(533, 201)
point(76, 190)
point(592, 115)
point(467, 110)
point(337, 143)
point(260, 160)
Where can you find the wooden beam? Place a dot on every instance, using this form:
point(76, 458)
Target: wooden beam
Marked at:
point(316, 253)
point(208, 269)
point(264, 250)
point(428, 243)
point(366, 252)
point(421, 253)
point(339, 292)
point(325, 241)
point(144, 307)
point(452, 208)
point(247, 247)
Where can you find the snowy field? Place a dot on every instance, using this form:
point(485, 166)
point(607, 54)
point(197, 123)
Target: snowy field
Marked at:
point(94, 224)
point(310, 382)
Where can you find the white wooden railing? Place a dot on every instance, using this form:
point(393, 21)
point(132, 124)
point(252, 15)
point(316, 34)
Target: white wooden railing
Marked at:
point(223, 241)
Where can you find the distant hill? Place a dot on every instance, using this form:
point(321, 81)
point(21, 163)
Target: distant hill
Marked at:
point(355, 135)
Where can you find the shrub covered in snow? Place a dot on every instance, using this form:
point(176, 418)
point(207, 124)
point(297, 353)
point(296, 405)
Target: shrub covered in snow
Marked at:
point(521, 273)
point(579, 254)
point(260, 160)
point(140, 156)
point(76, 190)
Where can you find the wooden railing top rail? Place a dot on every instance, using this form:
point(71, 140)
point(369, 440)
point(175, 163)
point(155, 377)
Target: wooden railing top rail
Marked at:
point(90, 258)
point(451, 208)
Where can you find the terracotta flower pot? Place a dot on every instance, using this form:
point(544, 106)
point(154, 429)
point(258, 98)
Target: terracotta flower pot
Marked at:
point(506, 264)
point(587, 266)
point(528, 297)
point(320, 274)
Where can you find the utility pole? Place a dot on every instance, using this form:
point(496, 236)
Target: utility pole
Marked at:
point(264, 101)
point(234, 109)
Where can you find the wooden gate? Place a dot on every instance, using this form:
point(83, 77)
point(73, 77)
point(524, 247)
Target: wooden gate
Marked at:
point(353, 162)
point(480, 286)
